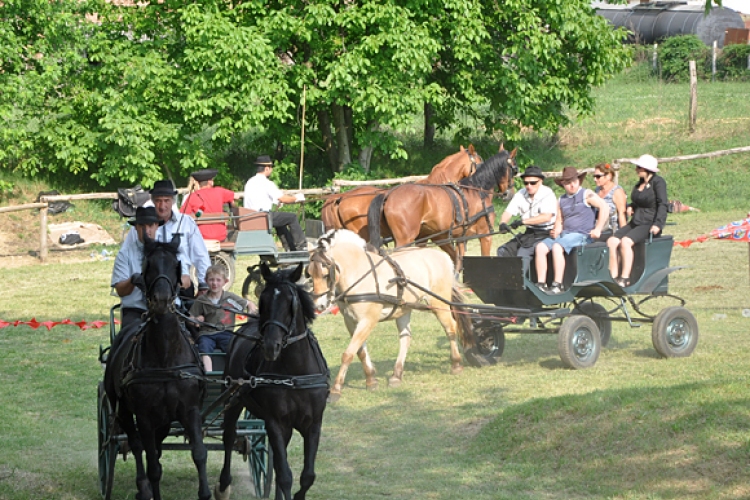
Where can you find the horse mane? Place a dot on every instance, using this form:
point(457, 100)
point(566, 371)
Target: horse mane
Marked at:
point(489, 173)
point(283, 277)
point(334, 236)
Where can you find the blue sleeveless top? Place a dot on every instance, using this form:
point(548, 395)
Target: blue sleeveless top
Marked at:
point(614, 222)
point(577, 216)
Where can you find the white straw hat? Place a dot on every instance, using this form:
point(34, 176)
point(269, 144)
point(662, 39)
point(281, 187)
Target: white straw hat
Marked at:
point(647, 162)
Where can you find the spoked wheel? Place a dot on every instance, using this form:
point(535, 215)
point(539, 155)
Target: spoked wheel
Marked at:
point(253, 284)
point(227, 261)
point(674, 332)
point(579, 342)
point(599, 314)
point(490, 339)
point(108, 446)
point(260, 462)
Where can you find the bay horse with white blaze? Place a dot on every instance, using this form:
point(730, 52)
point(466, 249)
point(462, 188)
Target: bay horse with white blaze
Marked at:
point(444, 214)
point(370, 288)
point(287, 379)
point(154, 376)
point(349, 210)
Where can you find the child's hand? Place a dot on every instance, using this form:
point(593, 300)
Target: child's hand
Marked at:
point(251, 307)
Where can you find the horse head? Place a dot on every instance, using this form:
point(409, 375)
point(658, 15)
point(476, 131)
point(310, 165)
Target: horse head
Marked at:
point(496, 172)
point(285, 310)
point(161, 272)
point(323, 269)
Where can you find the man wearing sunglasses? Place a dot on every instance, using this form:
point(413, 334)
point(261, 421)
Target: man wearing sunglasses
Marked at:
point(537, 206)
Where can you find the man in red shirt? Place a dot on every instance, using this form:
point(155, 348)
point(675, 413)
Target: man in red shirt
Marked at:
point(208, 199)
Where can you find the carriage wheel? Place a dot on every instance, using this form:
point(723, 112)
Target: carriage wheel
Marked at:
point(253, 284)
point(490, 338)
point(107, 443)
point(226, 260)
point(260, 463)
point(579, 342)
point(674, 332)
point(599, 314)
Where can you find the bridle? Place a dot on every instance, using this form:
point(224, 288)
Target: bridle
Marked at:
point(173, 286)
point(475, 159)
point(287, 337)
point(318, 256)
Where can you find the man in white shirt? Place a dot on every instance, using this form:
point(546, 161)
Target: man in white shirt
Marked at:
point(173, 222)
point(537, 206)
point(262, 194)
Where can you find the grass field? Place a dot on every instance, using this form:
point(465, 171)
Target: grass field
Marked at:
point(634, 427)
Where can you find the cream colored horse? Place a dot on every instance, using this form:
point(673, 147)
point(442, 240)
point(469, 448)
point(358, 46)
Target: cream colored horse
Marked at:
point(369, 288)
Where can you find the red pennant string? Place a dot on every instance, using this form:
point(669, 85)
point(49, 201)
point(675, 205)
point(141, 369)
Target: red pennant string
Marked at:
point(34, 324)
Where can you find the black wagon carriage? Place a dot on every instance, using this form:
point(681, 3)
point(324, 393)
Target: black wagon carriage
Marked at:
point(582, 315)
point(251, 441)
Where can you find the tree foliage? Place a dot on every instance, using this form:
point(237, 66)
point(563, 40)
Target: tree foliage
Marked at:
point(167, 85)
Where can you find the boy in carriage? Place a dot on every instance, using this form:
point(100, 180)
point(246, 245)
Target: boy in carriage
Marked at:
point(216, 310)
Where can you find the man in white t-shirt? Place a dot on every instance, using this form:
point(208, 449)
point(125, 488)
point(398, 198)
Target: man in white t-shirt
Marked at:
point(537, 206)
point(262, 194)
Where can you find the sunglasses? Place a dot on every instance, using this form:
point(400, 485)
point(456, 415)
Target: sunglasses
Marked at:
point(531, 183)
point(599, 176)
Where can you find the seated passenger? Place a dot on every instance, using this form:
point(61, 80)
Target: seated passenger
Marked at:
point(262, 194)
point(208, 199)
point(648, 212)
point(216, 307)
point(613, 194)
point(576, 225)
point(537, 206)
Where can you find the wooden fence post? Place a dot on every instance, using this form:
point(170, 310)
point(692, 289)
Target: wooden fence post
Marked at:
point(713, 61)
point(693, 96)
point(43, 233)
point(654, 58)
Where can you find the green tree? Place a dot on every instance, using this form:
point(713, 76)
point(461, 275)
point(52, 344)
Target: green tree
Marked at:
point(159, 88)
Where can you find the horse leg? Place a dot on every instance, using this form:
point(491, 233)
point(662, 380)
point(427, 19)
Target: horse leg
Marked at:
point(278, 438)
point(125, 418)
point(362, 330)
point(371, 381)
point(444, 316)
point(307, 477)
point(485, 244)
point(403, 324)
point(194, 433)
point(224, 488)
point(153, 467)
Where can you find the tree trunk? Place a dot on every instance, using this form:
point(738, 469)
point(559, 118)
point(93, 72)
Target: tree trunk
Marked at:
point(365, 154)
point(324, 121)
point(342, 137)
point(349, 121)
point(429, 125)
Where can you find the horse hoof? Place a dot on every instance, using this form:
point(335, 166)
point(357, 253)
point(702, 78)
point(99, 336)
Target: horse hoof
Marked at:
point(373, 386)
point(333, 397)
point(394, 382)
point(222, 495)
point(455, 370)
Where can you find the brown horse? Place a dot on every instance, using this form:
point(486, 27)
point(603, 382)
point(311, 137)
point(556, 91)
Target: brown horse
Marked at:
point(349, 210)
point(370, 288)
point(444, 214)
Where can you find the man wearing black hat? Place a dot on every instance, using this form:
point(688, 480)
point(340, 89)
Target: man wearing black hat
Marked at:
point(126, 272)
point(537, 206)
point(262, 194)
point(208, 199)
point(191, 243)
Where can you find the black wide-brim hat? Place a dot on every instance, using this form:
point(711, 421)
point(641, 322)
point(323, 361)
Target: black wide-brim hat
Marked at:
point(264, 160)
point(163, 188)
point(533, 171)
point(145, 215)
point(204, 175)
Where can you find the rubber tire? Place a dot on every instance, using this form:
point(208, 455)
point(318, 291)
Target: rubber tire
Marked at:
point(578, 342)
point(599, 314)
point(490, 338)
point(674, 332)
point(107, 447)
point(253, 284)
point(227, 260)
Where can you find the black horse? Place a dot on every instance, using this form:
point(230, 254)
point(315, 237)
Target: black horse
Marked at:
point(288, 375)
point(154, 376)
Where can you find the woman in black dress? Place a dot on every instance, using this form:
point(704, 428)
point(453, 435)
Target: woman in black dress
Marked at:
point(648, 213)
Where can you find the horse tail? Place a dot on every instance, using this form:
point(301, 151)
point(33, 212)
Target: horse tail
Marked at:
point(374, 214)
point(466, 332)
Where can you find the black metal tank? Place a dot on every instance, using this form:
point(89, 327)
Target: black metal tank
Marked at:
point(655, 21)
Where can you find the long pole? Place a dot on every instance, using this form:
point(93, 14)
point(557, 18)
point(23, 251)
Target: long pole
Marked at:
point(302, 137)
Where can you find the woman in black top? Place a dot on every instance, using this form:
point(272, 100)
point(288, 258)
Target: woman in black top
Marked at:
point(648, 212)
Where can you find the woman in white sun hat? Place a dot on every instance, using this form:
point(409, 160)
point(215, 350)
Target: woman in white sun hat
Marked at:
point(648, 213)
